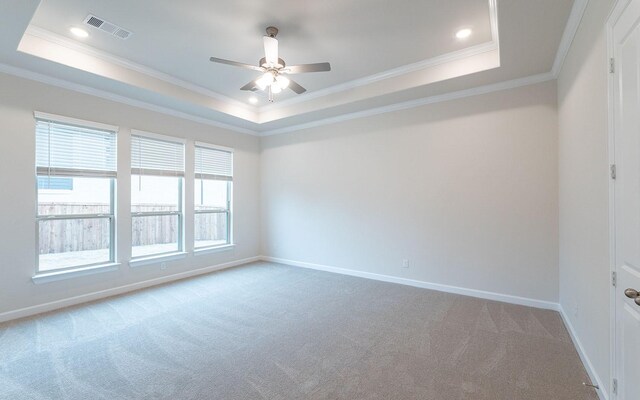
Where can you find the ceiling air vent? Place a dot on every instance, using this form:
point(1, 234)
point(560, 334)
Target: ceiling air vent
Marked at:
point(108, 27)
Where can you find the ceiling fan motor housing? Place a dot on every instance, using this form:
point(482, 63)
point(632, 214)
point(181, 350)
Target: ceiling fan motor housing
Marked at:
point(263, 63)
point(272, 31)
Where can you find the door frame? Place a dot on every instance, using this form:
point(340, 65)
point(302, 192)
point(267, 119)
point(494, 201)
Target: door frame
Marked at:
point(616, 12)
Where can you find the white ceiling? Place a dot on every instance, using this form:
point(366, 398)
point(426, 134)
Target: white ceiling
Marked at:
point(381, 52)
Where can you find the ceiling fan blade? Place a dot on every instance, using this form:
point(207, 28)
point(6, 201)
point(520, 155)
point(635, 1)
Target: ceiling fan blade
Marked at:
point(293, 85)
point(271, 50)
point(250, 86)
point(236, 64)
point(302, 68)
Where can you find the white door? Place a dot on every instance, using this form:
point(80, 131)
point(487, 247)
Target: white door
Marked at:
point(626, 36)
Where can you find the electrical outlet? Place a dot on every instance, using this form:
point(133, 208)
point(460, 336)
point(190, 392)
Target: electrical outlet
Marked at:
point(163, 265)
point(405, 263)
point(576, 309)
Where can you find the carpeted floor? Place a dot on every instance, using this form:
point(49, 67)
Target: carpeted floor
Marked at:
point(267, 331)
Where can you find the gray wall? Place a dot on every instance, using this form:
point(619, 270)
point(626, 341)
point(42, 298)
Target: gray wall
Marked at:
point(18, 99)
point(584, 180)
point(467, 190)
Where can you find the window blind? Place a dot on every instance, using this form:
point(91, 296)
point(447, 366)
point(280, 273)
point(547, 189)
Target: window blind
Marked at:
point(70, 150)
point(213, 163)
point(150, 156)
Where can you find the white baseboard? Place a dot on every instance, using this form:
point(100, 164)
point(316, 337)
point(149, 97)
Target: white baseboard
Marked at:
point(524, 301)
point(595, 379)
point(54, 305)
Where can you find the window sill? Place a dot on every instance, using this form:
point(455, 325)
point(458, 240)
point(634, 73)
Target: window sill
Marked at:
point(216, 249)
point(53, 276)
point(160, 258)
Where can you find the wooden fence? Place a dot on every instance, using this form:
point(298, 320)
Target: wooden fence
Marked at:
point(67, 235)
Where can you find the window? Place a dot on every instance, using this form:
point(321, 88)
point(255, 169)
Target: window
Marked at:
point(76, 172)
point(157, 173)
point(213, 186)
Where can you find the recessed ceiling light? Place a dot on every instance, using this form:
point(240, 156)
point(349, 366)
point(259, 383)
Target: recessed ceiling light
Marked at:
point(79, 32)
point(253, 99)
point(463, 33)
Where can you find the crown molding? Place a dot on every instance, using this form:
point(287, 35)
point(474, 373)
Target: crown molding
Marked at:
point(494, 44)
point(573, 23)
point(395, 72)
point(59, 40)
point(63, 84)
point(403, 70)
point(104, 56)
point(495, 87)
point(505, 85)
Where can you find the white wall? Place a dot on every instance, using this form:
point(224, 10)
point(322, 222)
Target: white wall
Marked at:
point(584, 179)
point(466, 190)
point(18, 99)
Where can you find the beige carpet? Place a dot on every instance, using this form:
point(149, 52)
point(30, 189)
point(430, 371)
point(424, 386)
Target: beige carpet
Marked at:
point(267, 331)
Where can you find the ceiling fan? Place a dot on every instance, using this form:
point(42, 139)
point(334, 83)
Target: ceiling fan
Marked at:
point(274, 68)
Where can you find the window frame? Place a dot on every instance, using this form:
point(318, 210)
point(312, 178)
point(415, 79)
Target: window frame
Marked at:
point(227, 211)
point(110, 216)
point(180, 211)
point(229, 204)
point(62, 217)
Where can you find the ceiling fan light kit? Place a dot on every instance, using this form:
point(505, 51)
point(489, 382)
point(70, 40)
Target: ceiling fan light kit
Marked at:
point(274, 68)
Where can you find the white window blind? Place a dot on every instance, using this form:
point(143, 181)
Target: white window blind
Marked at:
point(151, 156)
point(213, 163)
point(71, 150)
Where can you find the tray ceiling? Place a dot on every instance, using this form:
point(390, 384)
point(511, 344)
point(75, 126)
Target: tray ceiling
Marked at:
point(381, 52)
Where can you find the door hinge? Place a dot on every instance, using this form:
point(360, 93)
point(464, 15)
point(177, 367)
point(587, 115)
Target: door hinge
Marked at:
point(614, 278)
point(613, 171)
point(612, 65)
point(615, 386)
